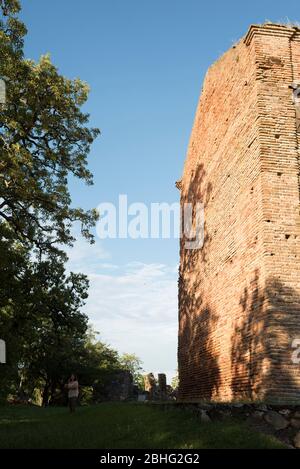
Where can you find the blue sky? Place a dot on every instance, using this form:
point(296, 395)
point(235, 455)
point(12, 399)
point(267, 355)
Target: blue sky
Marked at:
point(145, 62)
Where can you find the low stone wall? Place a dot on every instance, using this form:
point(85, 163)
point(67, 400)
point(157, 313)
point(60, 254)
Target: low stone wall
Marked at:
point(281, 421)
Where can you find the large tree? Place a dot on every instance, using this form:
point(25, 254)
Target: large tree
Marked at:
point(44, 138)
point(58, 327)
point(40, 317)
point(132, 363)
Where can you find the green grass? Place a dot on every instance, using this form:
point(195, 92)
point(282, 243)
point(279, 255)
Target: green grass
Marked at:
point(121, 425)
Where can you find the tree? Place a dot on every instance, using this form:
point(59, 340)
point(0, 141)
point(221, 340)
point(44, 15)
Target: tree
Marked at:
point(57, 326)
point(14, 327)
point(133, 364)
point(175, 381)
point(56, 353)
point(44, 138)
point(99, 366)
point(12, 31)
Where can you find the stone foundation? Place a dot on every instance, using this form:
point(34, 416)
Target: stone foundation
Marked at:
point(283, 422)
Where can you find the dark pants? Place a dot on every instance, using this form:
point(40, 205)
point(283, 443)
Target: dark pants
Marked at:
point(72, 403)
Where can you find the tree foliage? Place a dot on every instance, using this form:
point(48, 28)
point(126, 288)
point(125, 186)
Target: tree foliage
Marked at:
point(44, 138)
point(132, 363)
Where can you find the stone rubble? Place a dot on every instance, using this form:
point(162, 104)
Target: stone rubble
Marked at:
point(283, 422)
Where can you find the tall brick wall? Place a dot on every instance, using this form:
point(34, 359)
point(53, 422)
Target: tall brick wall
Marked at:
point(239, 296)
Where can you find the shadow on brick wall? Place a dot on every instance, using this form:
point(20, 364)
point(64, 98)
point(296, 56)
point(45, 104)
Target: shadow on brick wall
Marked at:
point(261, 354)
point(196, 351)
point(199, 191)
point(197, 320)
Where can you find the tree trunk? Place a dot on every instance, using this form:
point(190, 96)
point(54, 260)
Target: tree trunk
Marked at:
point(45, 395)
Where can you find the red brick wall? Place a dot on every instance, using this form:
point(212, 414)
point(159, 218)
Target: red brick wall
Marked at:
point(239, 296)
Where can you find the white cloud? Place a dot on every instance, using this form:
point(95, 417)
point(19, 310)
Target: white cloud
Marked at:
point(134, 307)
point(108, 266)
point(86, 257)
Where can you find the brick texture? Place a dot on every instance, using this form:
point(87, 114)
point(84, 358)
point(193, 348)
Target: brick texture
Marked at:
point(239, 296)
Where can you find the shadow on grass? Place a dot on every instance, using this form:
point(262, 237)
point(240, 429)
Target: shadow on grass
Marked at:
point(110, 426)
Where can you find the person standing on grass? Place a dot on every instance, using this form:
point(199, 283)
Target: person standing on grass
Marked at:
point(73, 392)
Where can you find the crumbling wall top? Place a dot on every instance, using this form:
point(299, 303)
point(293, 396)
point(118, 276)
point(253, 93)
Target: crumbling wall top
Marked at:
point(270, 29)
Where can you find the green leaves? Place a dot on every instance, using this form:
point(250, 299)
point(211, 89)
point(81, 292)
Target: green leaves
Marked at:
point(12, 31)
point(44, 139)
point(10, 7)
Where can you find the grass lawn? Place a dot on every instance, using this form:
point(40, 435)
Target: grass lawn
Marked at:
point(121, 425)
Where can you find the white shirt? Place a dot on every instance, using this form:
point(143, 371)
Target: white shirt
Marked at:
point(73, 389)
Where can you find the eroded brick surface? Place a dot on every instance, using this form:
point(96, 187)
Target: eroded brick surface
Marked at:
point(239, 296)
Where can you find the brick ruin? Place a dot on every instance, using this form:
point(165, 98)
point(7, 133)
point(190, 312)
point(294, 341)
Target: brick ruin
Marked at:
point(239, 296)
point(158, 389)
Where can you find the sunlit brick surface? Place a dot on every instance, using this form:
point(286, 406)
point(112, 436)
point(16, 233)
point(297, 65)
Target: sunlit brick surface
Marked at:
point(239, 296)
